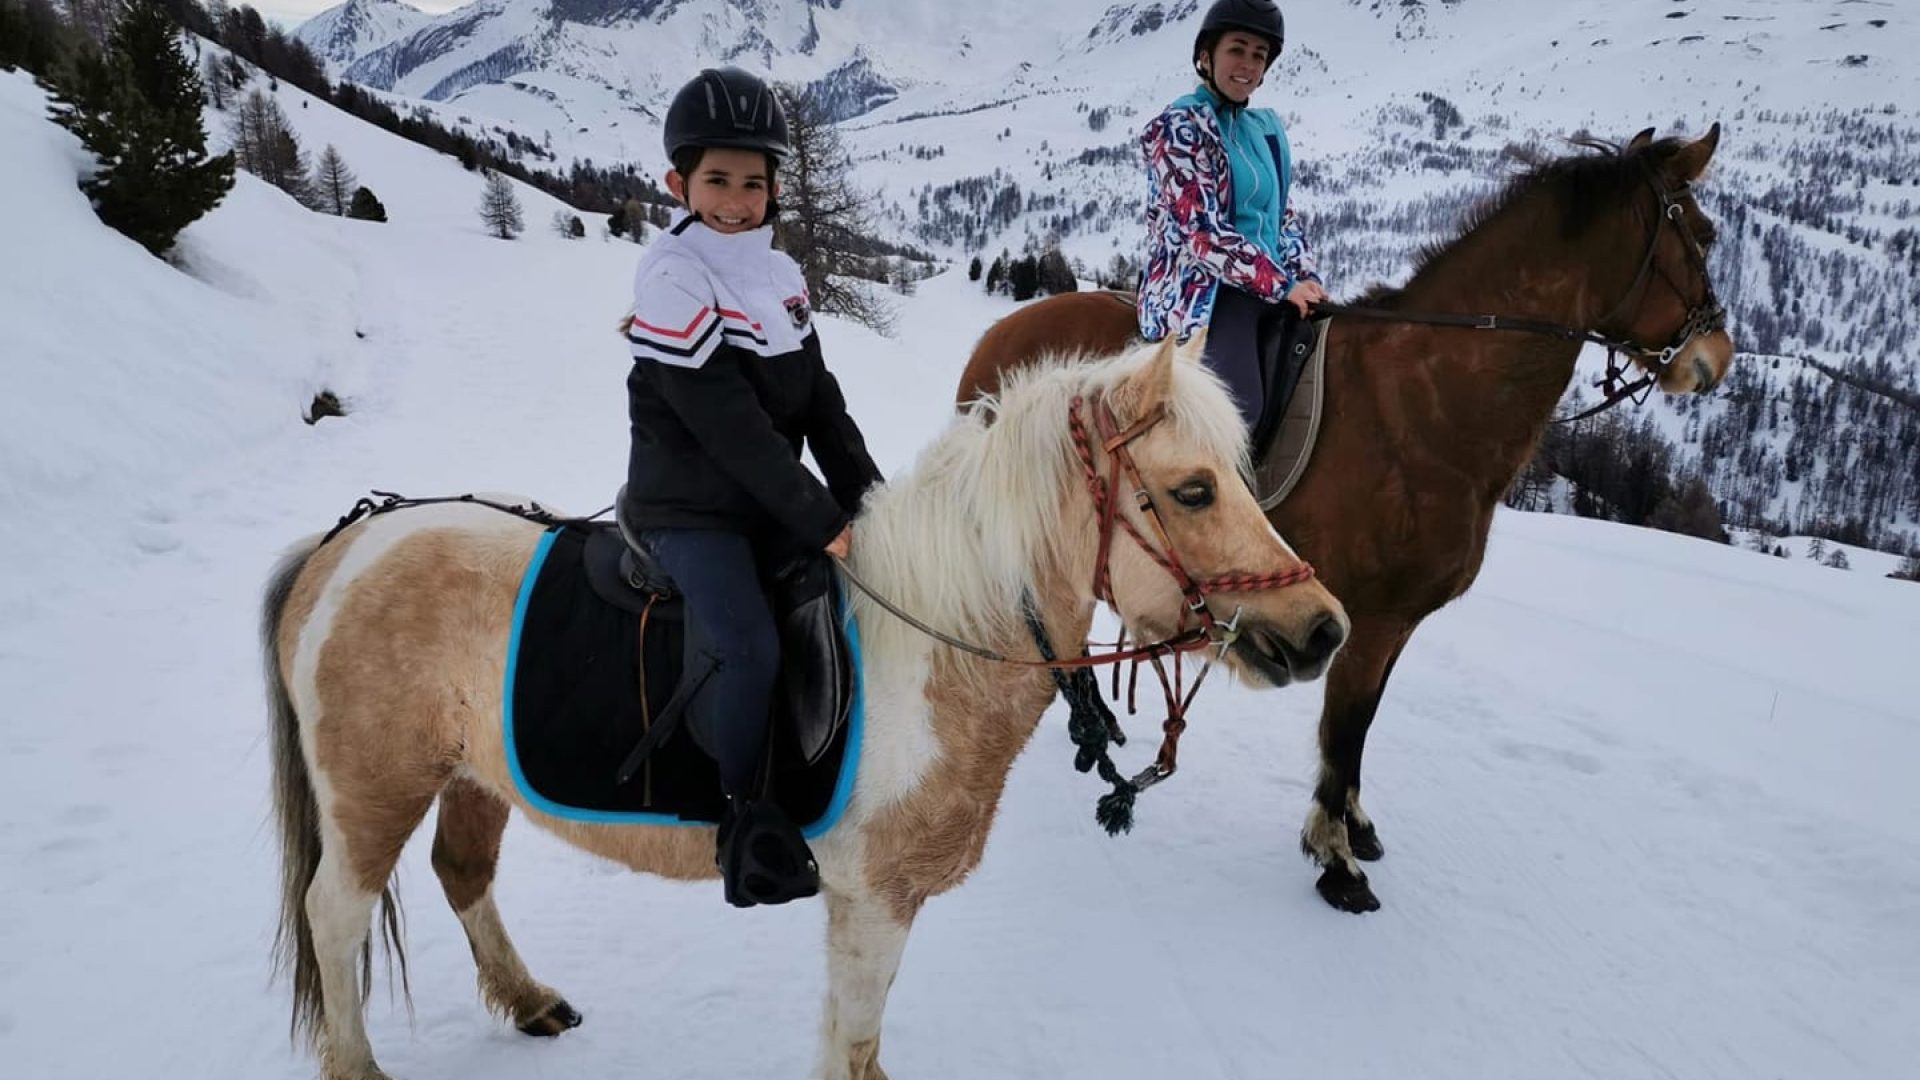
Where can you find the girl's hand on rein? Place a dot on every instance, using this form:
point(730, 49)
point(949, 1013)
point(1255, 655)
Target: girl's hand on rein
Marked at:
point(840, 546)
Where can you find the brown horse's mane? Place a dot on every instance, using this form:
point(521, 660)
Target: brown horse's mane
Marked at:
point(1586, 186)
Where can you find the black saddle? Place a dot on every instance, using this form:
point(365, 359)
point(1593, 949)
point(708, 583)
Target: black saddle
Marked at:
point(606, 720)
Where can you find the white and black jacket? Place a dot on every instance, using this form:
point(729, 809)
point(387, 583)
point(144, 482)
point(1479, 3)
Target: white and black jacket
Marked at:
point(727, 381)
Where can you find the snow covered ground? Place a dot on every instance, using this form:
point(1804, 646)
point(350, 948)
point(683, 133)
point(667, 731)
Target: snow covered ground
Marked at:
point(1648, 801)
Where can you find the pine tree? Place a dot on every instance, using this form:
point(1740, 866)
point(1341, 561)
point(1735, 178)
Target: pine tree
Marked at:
point(635, 215)
point(333, 183)
point(366, 206)
point(1690, 511)
point(219, 93)
point(264, 144)
point(1053, 275)
point(32, 36)
point(973, 269)
point(500, 208)
point(137, 108)
point(94, 18)
point(1024, 277)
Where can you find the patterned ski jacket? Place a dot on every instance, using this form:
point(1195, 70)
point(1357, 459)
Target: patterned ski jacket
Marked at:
point(727, 383)
point(1218, 212)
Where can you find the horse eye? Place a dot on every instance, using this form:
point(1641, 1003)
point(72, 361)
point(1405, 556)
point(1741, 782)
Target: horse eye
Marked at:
point(1194, 496)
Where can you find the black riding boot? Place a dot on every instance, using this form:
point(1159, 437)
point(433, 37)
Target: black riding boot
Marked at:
point(763, 859)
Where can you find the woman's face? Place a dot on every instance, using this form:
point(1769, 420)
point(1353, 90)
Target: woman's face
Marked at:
point(728, 189)
point(1238, 64)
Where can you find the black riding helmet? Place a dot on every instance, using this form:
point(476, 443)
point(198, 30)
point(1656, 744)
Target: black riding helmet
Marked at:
point(727, 107)
point(1259, 17)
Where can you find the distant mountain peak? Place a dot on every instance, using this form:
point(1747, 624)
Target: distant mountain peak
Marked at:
point(340, 35)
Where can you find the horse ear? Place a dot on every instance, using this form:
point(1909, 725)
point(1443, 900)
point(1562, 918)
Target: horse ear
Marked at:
point(1195, 347)
point(1150, 387)
point(1640, 142)
point(1692, 159)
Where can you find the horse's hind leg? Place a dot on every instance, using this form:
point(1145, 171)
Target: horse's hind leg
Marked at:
point(359, 849)
point(466, 849)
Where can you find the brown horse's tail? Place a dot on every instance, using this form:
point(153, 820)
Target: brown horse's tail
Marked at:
point(298, 814)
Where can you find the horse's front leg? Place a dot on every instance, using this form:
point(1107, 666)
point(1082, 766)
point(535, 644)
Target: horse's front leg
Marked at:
point(865, 936)
point(1338, 834)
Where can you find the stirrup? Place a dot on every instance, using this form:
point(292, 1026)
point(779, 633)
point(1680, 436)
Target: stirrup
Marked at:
point(763, 859)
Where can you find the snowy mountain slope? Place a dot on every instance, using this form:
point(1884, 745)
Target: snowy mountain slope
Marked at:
point(417, 185)
point(1574, 63)
point(267, 331)
point(1703, 868)
point(340, 35)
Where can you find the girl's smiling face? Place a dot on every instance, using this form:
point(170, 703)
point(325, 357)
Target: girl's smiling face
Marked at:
point(1238, 64)
point(729, 189)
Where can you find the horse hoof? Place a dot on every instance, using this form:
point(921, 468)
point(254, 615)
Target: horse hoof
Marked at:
point(1364, 842)
point(1347, 892)
point(559, 1017)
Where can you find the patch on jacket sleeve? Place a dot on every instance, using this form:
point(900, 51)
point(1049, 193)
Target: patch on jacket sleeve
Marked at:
point(671, 325)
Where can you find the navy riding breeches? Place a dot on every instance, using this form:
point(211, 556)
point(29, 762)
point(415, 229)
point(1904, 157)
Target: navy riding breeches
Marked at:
point(731, 622)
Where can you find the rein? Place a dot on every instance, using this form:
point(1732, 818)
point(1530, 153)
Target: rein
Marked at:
point(1703, 317)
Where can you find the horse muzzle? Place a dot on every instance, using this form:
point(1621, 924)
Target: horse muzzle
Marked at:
point(1699, 366)
point(1265, 654)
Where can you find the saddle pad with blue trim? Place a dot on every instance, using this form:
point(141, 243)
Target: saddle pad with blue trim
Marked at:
point(582, 687)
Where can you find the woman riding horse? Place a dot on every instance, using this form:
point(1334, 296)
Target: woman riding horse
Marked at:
point(1226, 251)
point(1432, 408)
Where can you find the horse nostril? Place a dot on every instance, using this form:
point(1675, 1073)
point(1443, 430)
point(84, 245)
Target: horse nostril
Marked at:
point(1327, 636)
point(1703, 370)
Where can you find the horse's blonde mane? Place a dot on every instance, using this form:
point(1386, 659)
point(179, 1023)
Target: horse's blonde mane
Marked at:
point(958, 538)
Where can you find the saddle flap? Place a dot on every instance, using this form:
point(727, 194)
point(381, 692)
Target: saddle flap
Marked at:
point(815, 687)
point(1292, 423)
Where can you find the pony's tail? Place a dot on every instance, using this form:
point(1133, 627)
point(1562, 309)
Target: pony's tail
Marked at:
point(298, 814)
point(294, 805)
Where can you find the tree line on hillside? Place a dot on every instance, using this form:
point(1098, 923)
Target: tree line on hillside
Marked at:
point(121, 79)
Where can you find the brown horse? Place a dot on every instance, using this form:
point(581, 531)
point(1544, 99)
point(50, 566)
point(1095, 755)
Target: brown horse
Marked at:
point(386, 650)
point(1426, 426)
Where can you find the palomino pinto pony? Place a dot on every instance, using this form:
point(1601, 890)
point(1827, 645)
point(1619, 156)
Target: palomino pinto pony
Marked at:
point(385, 651)
point(1426, 426)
